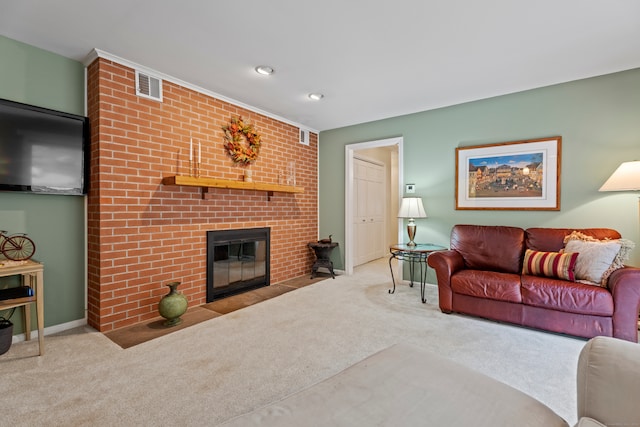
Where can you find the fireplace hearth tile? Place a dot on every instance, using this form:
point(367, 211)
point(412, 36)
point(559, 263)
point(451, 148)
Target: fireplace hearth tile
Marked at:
point(300, 282)
point(245, 299)
point(136, 334)
point(146, 331)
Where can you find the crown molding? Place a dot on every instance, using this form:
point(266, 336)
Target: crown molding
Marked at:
point(97, 53)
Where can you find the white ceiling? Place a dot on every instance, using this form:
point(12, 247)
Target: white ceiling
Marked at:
point(371, 59)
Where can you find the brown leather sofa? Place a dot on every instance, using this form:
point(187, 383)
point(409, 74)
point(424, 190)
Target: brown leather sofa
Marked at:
point(480, 275)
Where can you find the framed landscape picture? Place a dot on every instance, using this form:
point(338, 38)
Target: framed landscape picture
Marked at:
point(517, 175)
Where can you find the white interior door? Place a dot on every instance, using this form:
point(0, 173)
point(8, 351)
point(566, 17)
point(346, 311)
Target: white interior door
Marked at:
point(369, 217)
point(391, 206)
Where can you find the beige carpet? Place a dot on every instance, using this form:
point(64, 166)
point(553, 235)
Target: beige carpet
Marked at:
point(219, 368)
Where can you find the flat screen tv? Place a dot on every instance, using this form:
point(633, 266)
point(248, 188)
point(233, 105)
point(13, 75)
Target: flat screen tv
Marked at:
point(43, 151)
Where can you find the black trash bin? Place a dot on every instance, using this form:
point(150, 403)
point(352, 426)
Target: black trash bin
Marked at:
point(6, 335)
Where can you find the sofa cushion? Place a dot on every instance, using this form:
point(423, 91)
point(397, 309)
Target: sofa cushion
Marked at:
point(487, 284)
point(405, 385)
point(494, 248)
point(596, 263)
point(608, 382)
point(589, 422)
point(552, 239)
point(550, 264)
point(596, 258)
point(566, 296)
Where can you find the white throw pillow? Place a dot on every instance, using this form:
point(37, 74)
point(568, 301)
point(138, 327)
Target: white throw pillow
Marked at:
point(595, 258)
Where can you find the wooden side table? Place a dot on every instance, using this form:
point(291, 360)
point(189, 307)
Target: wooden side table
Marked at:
point(323, 257)
point(32, 273)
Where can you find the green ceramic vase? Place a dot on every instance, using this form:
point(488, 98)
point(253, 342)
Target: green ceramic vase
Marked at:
point(173, 305)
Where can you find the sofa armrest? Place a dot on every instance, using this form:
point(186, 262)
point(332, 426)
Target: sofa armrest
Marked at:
point(625, 289)
point(608, 382)
point(445, 263)
point(589, 422)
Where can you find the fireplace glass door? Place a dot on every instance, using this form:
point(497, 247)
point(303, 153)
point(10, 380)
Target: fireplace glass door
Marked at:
point(237, 261)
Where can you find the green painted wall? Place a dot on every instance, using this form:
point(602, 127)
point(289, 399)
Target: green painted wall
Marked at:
point(598, 119)
point(56, 223)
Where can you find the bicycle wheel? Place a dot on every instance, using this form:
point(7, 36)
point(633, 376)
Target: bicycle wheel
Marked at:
point(18, 248)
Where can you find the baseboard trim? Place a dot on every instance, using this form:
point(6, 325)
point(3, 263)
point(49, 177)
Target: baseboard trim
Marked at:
point(52, 330)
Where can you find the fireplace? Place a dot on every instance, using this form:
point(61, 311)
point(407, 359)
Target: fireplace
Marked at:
point(237, 261)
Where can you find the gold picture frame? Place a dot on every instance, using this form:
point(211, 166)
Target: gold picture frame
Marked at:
point(516, 175)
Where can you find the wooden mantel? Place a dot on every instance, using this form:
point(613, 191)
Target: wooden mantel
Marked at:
point(204, 183)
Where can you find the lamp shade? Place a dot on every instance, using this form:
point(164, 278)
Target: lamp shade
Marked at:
point(411, 207)
point(625, 178)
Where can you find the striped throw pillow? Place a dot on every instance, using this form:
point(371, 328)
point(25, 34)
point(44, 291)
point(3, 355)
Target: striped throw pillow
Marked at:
point(550, 264)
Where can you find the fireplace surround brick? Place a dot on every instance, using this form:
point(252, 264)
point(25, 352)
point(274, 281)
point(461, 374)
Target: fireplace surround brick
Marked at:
point(142, 234)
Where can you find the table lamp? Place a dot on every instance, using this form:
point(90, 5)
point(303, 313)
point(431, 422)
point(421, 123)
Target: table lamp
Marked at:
point(411, 208)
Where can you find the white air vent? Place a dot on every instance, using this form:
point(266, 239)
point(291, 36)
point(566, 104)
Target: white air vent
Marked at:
point(304, 136)
point(148, 86)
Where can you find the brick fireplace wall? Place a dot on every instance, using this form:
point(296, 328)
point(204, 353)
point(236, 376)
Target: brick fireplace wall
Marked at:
point(142, 234)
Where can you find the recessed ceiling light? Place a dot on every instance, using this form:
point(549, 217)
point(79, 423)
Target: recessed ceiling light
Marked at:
point(265, 70)
point(316, 96)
